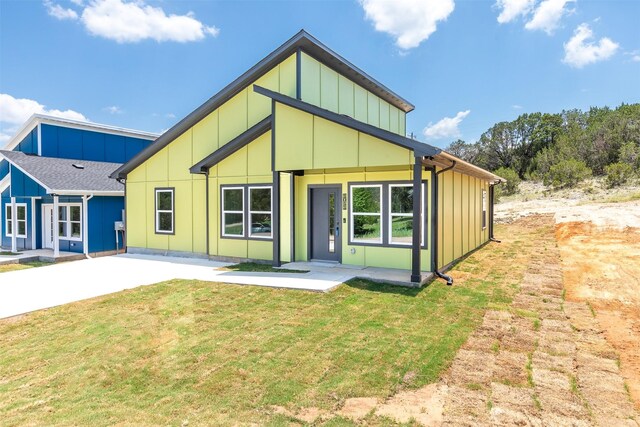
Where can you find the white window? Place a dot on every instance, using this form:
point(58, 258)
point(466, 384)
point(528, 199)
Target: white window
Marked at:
point(366, 214)
point(484, 209)
point(164, 211)
point(21, 220)
point(70, 221)
point(260, 207)
point(233, 211)
point(400, 227)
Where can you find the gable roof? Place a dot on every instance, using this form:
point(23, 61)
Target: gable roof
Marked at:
point(420, 148)
point(60, 176)
point(301, 41)
point(37, 119)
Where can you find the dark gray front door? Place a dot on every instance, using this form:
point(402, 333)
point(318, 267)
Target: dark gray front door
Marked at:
point(326, 224)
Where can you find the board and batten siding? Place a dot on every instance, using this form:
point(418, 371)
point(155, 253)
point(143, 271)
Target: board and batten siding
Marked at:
point(326, 88)
point(170, 168)
point(460, 215)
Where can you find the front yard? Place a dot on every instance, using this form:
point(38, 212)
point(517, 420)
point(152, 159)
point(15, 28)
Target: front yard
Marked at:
point(210, 353)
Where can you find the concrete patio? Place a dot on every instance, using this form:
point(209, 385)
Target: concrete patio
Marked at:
point(43, 255)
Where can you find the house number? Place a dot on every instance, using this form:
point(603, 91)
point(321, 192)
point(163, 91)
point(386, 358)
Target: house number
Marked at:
point(344, 201)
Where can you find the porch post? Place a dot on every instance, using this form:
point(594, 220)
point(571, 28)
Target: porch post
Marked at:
point(33, 222)
point(14, 225)
point(416, 275)
point(275, 220)
point(85, 226)
point(56, 229)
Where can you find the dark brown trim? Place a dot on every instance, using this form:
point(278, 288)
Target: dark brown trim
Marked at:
point(419, 148)
point(416, 272)
point(155, 210)
point(275, 221)
point(206, 209)
point(292, 213)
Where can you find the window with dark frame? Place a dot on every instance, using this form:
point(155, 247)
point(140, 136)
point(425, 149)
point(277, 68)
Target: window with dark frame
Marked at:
point(260, 212)
point(165, 215)
point(233, 211)
point(246, 211)
point(366, 213)
point(484, 209)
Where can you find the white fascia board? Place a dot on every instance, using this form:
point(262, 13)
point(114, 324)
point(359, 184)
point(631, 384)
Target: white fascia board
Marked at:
point(5, 182)
point(86, 193)
point(13, 165)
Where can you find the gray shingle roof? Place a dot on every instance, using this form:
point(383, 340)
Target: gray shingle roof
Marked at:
point(59, 175)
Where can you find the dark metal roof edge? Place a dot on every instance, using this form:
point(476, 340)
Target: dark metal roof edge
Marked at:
point(232, 146)
point(235, 87)
point(418, 147)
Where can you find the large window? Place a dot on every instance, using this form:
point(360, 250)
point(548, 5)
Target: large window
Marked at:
point(21, 220)
point(484, 209)
point(70, 221)
point(366, 213)
point(382, 214)
point(165, 215)
point(246, 211)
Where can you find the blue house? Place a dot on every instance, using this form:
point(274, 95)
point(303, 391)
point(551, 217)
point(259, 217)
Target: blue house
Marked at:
point(55, 190)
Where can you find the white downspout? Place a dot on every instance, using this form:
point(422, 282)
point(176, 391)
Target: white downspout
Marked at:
point(14, 225)
point(56, 231)
point(33, 223)
point(85, 224)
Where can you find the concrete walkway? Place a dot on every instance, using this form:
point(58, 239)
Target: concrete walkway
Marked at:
point(23, 291)
point(45, 255)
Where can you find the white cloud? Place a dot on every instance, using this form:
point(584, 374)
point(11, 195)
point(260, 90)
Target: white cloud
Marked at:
point(131, 22)
point(78, 2)
point(511, 9)
point(113, 109)
point(170, 116)
point(445, 128)
point(409, 21)
point(581, 50)
point(15, 111)
point(516, 107)
point(635, 58)
point(547, 15)
point(60, 12)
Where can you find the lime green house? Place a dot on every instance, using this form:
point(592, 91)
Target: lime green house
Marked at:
point(304, 158)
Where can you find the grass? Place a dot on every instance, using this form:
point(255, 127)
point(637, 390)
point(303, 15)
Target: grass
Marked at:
point(194, 352)
point(259, 267)
point(22, 266)
point(8, 253)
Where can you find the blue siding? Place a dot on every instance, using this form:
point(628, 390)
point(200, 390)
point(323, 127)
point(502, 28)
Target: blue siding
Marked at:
point(23, 186)
point(103, 212)
point(29, 144)
point(81, 144)
point(4, 168)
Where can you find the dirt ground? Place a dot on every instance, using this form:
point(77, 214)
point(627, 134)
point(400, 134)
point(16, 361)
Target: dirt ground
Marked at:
point(602, 267)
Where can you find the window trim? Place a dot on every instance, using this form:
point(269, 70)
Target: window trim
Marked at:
point(379, 215)
point(386, 210)
point(251, 212)
point(171, 190)
point(483, 203)
point(67, 206)
point(6, 220)
point(246, 235)
point(391, 215)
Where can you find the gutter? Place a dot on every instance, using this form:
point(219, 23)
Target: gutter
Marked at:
point(434, 224)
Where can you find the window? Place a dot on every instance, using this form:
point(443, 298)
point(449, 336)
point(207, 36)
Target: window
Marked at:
point(366, 213)
point(164, 210)
point(382, 214)
point(21, 220)
point(70, 221)
point(484, 209)
point(260, 212)
point(233, 211)
point(247, 211)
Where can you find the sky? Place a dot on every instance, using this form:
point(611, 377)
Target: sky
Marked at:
point(465, 65)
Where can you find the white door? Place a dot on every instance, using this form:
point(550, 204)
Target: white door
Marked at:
point(47, 226)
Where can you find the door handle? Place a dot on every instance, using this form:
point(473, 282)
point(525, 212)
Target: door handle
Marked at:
point(337, 231)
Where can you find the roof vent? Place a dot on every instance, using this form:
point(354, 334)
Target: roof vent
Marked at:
point(77, 166)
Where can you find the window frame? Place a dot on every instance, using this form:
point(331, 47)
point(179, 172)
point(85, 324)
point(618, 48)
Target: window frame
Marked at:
point(67, 206)
point(251, 212)
point(484, 208)
point(379, 215)
point(8, 223)
point(391, 215)
point(157, 211)
point(385, 207)
point(246, 212)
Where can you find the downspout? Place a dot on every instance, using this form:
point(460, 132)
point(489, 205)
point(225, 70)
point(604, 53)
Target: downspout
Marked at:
point(85, 223)
point(206, 201)
point(491, 201)
point(434, 223)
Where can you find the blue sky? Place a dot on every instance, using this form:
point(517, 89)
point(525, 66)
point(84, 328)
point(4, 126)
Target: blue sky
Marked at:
point(464, 64)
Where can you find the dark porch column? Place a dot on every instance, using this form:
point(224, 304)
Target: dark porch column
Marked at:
point(416, 275)
point(275, 220)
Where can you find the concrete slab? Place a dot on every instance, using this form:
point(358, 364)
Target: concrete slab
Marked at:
point(43, 287)
point(45, 255)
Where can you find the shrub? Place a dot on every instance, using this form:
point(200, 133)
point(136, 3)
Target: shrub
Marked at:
point(513, 180)
point(618, 174)
point(566, 173)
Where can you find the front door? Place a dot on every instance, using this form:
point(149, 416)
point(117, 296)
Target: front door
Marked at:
point(47, 226)
point(326, 219)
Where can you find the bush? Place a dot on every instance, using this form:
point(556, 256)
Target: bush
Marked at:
point(567, 173)
point(513, 180)
point(618, 174)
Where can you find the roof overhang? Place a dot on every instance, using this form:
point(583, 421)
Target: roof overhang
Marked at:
point(5, 182)
point(419, 148)
point(446, 160)
point(38, 119)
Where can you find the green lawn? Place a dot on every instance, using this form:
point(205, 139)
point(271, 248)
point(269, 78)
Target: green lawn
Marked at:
point(23, 266)
point(216, 354)
point(259, 267)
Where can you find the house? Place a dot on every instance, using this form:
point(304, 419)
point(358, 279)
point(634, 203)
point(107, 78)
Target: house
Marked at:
point(55, 190)
point(304, 157)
